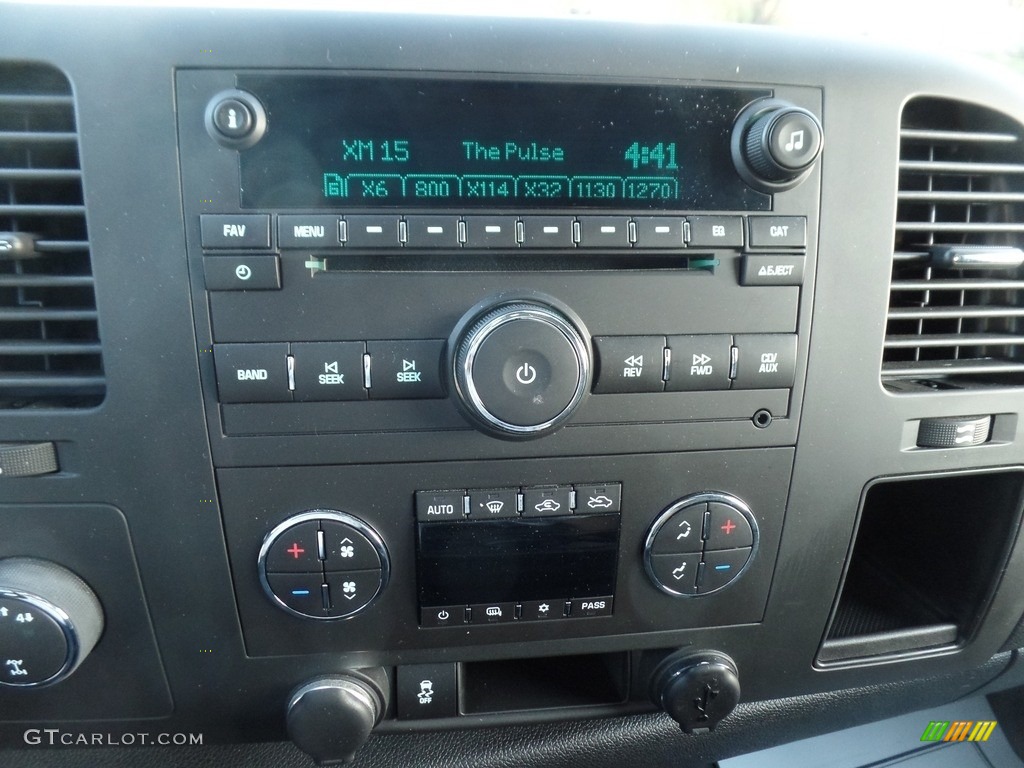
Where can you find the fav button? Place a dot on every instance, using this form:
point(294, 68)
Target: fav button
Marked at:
point(248, 230)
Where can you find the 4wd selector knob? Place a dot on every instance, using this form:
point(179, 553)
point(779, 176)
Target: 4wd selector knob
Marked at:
point(775, 144)
point(521, 368)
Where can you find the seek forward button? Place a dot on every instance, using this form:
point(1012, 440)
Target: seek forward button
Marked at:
point(405, 370)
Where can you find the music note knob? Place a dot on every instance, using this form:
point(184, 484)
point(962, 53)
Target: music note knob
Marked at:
point(775, 144)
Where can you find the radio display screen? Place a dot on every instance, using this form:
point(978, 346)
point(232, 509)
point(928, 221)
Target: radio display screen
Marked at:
point(493, 561)
point(403, 143)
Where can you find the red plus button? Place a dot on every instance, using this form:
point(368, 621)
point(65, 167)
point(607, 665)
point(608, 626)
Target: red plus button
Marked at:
point(295, 550)
point(728, 528)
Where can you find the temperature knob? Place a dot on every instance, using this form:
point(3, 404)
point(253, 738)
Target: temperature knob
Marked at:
point(49, 622)
point(775, 144)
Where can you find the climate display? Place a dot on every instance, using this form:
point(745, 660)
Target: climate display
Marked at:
point(375, 143)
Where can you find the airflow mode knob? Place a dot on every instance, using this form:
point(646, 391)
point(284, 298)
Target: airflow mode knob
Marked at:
point(775, 144)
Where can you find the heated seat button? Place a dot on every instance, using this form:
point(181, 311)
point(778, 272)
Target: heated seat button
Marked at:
point(295, 550)
point(681, 533)
point(676, 573)
point(765, 360)
point(721, 567)
point(699, 362)
point(727, 528)
point(405, 370)
point(546, 501)
point(252, 373)
point(346, 549)
point(493, 504)
point(630, 363)
point(426, 691)
point(328, 370)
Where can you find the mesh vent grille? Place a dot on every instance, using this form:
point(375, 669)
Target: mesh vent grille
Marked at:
point(961, 188)
point(49, 340)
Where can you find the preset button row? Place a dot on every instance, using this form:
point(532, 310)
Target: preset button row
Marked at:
point(506, 613)
point(537, 501)
point(326, 231)
point(328, 370)
point(698, 362)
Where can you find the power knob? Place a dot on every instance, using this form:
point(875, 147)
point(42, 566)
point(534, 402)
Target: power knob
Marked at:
point(520, 367)
point(775, 144)
point(49, 622)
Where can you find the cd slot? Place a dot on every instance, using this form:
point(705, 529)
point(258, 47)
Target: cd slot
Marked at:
point(511, 261)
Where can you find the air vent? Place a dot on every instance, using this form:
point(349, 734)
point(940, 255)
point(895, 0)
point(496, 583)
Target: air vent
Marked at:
point(49, 340)
point(956, 306)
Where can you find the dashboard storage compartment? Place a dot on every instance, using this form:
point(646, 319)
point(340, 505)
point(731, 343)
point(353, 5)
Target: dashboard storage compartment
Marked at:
point(545, 683)
point(926, 560)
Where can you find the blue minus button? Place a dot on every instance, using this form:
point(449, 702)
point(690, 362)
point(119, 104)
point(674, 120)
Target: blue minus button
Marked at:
point(300, 592)
point(719, 568)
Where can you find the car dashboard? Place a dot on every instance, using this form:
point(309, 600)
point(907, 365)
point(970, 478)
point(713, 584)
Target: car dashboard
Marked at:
point(435, 391)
